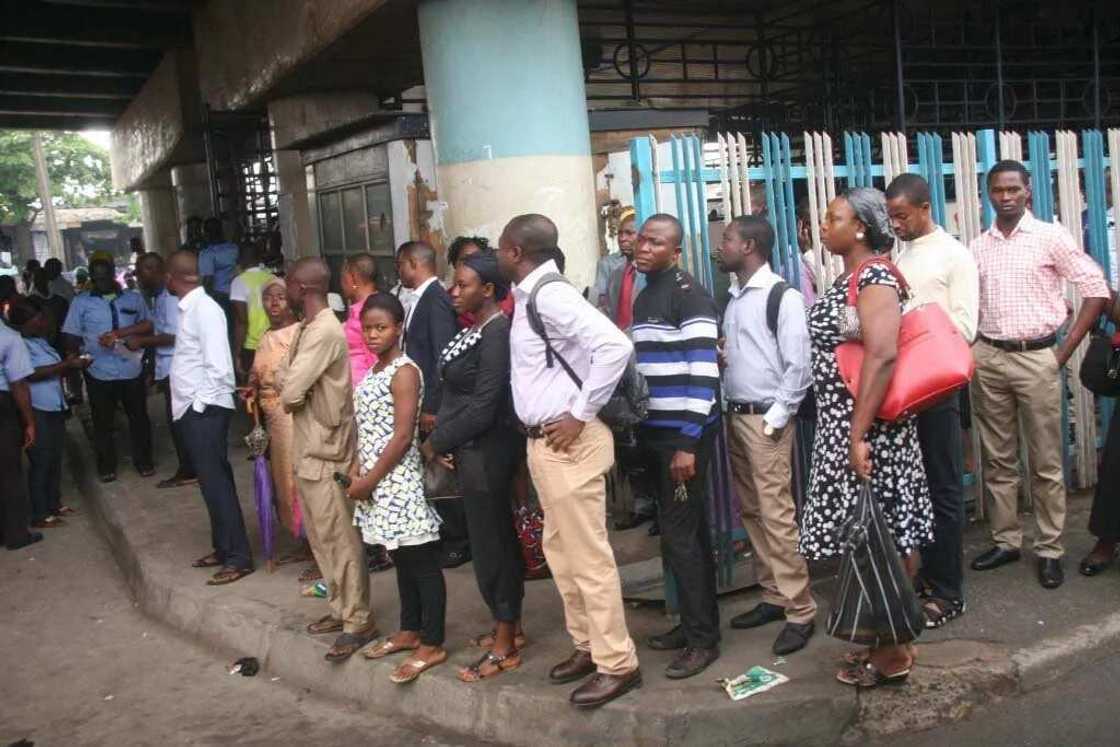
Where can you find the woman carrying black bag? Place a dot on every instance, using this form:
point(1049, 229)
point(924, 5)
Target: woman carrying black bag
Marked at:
point(853, 452)
point(1104, 521)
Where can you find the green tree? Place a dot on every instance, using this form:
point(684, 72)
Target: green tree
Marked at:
point(79, 172)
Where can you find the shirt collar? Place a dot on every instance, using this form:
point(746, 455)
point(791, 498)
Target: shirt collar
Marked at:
point(929, 238)
point(419, 290)
point(1026, 224)
point(525, 287)
point(189, 300)
point(763, 277)
point(308, 321)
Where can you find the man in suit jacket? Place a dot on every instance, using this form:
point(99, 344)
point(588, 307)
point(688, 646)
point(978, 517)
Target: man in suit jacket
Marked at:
point(430, 323)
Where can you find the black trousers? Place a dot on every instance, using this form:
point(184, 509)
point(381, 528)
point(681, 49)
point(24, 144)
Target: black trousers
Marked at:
point(635, 463)
point(44, 473)
point(206, 438)
point(939, 434)
point(686, 542)
point(103, 399)
point(453, 531)
point(422, 591)
point(185, 468)
point(15, 509)
point(485, 471)
point(1104, 521)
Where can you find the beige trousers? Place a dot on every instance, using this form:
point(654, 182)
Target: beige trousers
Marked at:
point(1005, 386)
point(572, 491)
point(762, 469)
point(328, 517)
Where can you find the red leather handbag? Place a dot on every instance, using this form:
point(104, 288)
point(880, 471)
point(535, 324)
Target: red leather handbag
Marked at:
point(933, 361)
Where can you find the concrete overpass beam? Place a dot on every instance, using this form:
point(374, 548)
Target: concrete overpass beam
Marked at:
point(160, 216)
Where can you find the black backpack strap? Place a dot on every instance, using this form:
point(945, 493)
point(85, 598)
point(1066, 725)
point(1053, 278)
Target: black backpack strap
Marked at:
point(537, 325)
point(774, 305)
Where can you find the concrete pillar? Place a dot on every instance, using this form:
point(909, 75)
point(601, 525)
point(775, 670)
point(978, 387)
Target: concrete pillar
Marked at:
point(294, 206)
point(160, 216)
point(191, 183)
point(505, 89)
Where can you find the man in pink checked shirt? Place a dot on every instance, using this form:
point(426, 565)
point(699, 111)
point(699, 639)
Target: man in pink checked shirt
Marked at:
point(1022, 262)
point(359, 282)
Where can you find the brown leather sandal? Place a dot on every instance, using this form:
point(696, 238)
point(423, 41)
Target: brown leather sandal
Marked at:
point(209, 561)
point(487, 640)
point(868, 676)
point(386, 648)
point(490, 665)
point(347, 644)
point(325, 624)
point(228, 576)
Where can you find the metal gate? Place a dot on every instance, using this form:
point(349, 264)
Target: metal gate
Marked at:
point(244, 191)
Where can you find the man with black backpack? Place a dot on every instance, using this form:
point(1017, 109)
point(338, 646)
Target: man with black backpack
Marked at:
point(766, 376)
point(675, 331)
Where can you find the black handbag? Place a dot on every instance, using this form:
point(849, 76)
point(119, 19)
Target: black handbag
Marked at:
point(875, 603)
point(1100, 369)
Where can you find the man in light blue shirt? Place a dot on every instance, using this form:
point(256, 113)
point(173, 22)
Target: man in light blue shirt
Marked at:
point(17, 432)
point(151, 274)
point(99, 322)
point(766, 375)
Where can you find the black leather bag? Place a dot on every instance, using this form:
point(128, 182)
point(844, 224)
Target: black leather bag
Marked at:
point(1100, 370)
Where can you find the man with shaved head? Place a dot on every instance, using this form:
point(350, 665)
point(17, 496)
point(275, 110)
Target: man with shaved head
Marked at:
point(316, 389)
point(202, 385)
point(563, 372)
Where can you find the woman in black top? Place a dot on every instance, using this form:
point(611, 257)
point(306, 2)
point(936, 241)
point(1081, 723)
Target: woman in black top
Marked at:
point(475, 432)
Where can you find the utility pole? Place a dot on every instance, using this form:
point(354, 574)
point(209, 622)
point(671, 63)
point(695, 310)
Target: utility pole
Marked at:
point(54, 238)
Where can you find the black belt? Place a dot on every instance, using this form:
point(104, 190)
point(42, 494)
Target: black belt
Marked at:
point(1021, 346)
point(532, 431)
point(749, 408)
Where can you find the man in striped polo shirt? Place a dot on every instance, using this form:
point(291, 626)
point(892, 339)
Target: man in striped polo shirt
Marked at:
point(674, 333)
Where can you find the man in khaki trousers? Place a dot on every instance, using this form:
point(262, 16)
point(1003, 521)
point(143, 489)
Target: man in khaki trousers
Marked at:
point(569, 452)
point(316, 389)
point(766, 375)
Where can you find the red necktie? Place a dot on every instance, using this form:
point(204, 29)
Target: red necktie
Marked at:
point(625, 312)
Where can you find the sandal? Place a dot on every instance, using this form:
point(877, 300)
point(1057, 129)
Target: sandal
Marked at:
point(325, 624)
point(487, 640)
point(347, 644)
point(856, 657)
point(940, 611)
point(65, 511)
point(209, 561)
point(867, 676)
point(310, 573)
point(386, 648)
point(228, 576)
point(413, 668)
point(498, 665)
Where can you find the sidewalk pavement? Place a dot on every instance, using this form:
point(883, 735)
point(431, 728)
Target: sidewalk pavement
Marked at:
point(1014, 637)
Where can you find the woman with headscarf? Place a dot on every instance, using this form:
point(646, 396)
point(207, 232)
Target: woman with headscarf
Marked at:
point(851, 445)
point(475, 426)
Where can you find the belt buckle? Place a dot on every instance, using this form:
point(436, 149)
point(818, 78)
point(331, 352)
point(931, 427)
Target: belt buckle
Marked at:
point(1023, 345)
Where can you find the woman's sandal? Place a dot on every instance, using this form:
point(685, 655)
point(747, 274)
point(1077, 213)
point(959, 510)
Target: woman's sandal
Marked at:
point(228, 576)
point(310, 573)
point(65, 511)
point(347, 644)
point(487, 640)
point(490, 665)
point(857, 657)
point(867, 676)
point(386, 648)
point(940, 611)
point(412, 668)
point(209, 561)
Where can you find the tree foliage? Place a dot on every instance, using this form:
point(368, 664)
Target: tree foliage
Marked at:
point(78, 169)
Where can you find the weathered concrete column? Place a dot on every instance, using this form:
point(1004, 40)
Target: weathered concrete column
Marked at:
point(192, 193)
point(160, 217)
point(505, 89)
point(295, 209)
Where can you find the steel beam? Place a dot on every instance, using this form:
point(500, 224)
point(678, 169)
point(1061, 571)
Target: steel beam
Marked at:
point(27, 57)
point(40, 23)
point(45, 84)
point(45, 122)
point(61, 106)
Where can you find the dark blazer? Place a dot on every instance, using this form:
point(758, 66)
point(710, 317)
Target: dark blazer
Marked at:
point(476, 391)
point(432, 326)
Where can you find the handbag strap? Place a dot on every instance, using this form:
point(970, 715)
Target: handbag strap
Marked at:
point(853, 279)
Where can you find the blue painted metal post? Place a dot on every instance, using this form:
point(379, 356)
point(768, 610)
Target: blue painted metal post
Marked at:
point(986, 153)
point(794, 263)
point(1092, 149)
point(641, 162)
point(1042, 189)
point(709, 278)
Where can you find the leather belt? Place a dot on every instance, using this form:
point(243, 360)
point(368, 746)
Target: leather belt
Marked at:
point(532, 431)
point(1021, 346)
point(748, 408)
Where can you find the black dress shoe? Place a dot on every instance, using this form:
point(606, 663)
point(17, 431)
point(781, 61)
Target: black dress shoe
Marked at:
point(690, 662)
point(575, 667)
point(603, 688)
point(1050, 573)
point(1092, 567)
point(30, 539)
point(631, 521)
point(794, 637)
point(994, 558)
point(670, 641)
point(762, 614)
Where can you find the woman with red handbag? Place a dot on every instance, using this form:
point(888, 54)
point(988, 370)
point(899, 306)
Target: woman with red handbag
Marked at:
point(851, 445)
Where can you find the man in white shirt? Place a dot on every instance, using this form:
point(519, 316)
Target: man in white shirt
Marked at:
point(939, 270)
point(766, 376)
point(202, 385)
point(570, 451)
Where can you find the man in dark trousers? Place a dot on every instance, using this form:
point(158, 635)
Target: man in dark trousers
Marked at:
point(430, 324)
point(674, 332)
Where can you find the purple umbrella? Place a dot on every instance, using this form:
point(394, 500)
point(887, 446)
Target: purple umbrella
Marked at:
point(257, 441)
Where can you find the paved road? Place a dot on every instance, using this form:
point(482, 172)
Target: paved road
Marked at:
point(81, 666)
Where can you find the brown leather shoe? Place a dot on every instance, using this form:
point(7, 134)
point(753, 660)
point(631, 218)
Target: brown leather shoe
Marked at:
point(575, 667)
point(603, 688)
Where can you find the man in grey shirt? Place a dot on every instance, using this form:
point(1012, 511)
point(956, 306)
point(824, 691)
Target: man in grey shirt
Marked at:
point(766, 375)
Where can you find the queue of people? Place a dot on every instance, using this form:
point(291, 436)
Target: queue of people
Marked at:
point(507, 372)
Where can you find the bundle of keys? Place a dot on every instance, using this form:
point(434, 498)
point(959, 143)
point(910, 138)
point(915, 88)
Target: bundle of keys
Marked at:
point(681, 492)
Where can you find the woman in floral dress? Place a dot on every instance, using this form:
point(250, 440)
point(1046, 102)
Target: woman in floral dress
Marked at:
point(391, 508)
point(851, 445)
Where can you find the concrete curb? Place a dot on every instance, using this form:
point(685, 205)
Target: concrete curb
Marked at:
point(954, 678)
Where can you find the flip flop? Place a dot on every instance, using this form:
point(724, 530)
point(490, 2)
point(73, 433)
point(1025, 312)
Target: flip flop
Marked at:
point(347, 644)
point(208, 561)
point(413, 668)
point(868, 676)
point(385, 648)
point(499, 665)
point(65, 511)
point(325, 624)
point(228, 576)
